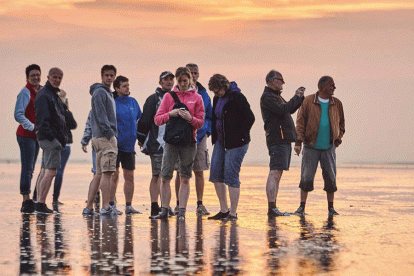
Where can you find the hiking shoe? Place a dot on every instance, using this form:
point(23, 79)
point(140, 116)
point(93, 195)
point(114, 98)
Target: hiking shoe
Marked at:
point(131, 210)
point(176, 210)
point(299, 212)
point(28, 206)
point(115, 211)
point(164, 213)
point(41, 208)
point(230, 218)
point(202, 211)
point(332, 212)
point(105, 212)
point(55, 206)
point(276, 213)
point(181, 214)
point(155, 210)
point(87, 212)
point(219, 215)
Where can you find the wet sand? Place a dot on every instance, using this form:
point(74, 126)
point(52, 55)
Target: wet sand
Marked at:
point(373, 235)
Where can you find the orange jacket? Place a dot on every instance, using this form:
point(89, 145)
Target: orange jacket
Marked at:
point(309, 116)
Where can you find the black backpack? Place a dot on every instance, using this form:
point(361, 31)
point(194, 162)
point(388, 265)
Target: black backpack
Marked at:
point(178, 132)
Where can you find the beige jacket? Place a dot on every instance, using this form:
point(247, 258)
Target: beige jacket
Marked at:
point(309, 116)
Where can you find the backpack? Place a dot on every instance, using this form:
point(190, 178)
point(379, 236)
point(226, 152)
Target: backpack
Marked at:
point(178, 132)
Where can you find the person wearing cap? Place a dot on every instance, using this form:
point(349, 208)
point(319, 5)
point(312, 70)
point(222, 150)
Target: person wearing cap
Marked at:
point(151, 136)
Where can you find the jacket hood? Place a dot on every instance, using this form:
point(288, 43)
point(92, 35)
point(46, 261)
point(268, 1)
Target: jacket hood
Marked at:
point(98, 85)
point(191, 90)
point(160, 91)
point(233, 88)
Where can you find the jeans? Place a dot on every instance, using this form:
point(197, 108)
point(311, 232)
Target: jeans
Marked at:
point(226, 164)
point(29, 149)
point(59, 173)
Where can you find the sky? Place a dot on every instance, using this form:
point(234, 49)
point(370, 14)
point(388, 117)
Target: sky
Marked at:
point(366, 46)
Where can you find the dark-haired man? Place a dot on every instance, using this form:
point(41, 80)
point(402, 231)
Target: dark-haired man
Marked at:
point(128, 113)
point(280, 133)
point(104, 132)
point(320, 126)
point(51, 133)
point(151, 136)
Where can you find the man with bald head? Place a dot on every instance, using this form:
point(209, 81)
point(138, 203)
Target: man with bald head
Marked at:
point(51, 133)
point(320, 126)
point(280, 133)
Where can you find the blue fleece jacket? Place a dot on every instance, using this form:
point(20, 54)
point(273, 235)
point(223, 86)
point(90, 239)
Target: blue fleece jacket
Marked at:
point(128, 113)
point(206, 129)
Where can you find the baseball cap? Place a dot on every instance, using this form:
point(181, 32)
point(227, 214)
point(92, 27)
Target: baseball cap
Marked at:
point(166, 74)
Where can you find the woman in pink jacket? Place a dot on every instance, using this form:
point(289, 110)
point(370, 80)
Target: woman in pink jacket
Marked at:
point(186, 93)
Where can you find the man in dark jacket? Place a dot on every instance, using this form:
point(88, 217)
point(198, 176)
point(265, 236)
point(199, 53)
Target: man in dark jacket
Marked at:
point(280, 132)
point(51, 132)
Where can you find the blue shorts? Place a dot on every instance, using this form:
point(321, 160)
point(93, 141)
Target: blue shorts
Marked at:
point(280, 157)
point(226, 164)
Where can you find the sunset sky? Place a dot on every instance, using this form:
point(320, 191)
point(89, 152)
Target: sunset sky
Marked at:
point(366, 46)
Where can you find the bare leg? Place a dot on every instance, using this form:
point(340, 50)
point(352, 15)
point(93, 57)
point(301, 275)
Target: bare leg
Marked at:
point(330, 197)
point(38, 180)
point(128, 185)
point(221, 192)
point(234, 194)
point(165, 193)
point(199, 184)
point(114, 184)
point(93, 189)
point(45, 184)
point(184, 192)
point(303, 195)
point(177, 186)
point(105, 184)
point(154, 188)
point(272, 185)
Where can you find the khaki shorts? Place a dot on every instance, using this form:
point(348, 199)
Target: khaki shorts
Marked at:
point(202, 160)
point(51, 158)
point(106, 153)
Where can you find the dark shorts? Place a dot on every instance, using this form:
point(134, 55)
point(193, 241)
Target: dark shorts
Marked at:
point(280, 157)
point(127, 159)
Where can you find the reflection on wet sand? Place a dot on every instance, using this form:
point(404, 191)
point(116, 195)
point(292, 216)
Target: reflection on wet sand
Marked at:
point(317, 248)
point(278, 248)
point(27, 263)
point(226, 262)
point(160, 247)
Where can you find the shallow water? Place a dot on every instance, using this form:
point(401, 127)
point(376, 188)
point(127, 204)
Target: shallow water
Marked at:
point(371, 236)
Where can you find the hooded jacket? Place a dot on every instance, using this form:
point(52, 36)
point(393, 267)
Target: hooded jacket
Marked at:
point(238, 119)
point(191, 99)
point(50, 115)
point(276, 113)
point(149, 134)
point(103, 113)
point(128, 113)
point(206, 128)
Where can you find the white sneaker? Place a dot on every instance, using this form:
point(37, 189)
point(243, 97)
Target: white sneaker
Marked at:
point(105, 212)
point(131, 210)
point(115, 211)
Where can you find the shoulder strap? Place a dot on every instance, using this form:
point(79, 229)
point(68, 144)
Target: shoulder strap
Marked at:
point(175, 97)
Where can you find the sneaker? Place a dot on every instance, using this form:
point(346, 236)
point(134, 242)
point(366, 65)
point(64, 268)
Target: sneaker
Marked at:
point(176, 210)
point(164, 213)
point(219, 215)
point(131, 210)
point(170, 212)
point(299, 212)
point(230, 218)
point(28, 206)
point(87, 211)
point(202, 211)
point(115, 211)
point(55, 206)
point(181, 214)
point(105, 212)
point(332, 212)
point(41, 208)
point(155, 210)
point(276, 213)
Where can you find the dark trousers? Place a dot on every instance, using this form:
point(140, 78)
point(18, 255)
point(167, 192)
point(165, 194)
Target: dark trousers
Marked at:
point(29, 150)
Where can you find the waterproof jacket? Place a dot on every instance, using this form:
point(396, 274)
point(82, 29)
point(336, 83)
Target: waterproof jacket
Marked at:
point(149, 134)
point(309, 116)
point(206, 129)
point(128, 113)
point(50, 115)
point(70, 123)
point(24, 112)
point(191, 99)
point(237, 116)
point(276, 114)
point(103, 115)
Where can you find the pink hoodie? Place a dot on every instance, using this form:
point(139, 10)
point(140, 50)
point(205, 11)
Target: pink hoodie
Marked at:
point(191, 99)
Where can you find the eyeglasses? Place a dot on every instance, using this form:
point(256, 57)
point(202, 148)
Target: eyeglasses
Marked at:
point(279, 80)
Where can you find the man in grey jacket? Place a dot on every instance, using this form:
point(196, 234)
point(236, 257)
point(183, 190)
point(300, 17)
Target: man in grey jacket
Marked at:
point(104, 132)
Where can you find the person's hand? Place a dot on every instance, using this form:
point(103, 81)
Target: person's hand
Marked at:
point(298, 149)
point(140, 145)
point(300, 91)
point(85, 148)
point(174, 112)
point(185, 115)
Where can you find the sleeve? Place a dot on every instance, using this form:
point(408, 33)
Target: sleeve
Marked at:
point(300, 125)
point(70, 120)
point(341, 121)
point(278, 108)
point(23, 100)
point(208, 114)
point(162, 116)
point(43, 117)
point(198, 116)
point(146, 119)
point(98, 104)
point(87, 134)
point(247, 114)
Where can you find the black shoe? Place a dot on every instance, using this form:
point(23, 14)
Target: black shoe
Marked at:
point(332, 212)
point(41, 208)
point(28, 206)
point(55, 205)
point(219, 215)
point(230, 218)
point(155, 210)
point(162, 215)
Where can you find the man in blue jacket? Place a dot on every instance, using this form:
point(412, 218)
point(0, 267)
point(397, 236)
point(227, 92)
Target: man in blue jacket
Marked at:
point(128, 113)
point(201, 160)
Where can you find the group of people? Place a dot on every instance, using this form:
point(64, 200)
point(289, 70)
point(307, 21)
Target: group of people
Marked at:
point(173, 129)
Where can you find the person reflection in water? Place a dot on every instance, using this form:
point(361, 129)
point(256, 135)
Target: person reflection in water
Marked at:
point(277, 248)
point(181, 247)
point(160, 247)
point(128, 260)
point(317, 248)
point(27, 264)
point(227, 263)
point(199, 248)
